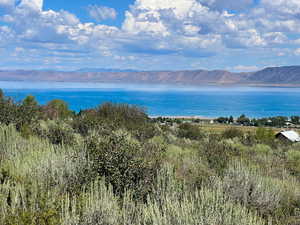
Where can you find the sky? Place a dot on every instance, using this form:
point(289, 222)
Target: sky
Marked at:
point(235, 35)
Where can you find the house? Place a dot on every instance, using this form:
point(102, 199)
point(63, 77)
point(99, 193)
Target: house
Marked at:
point(290, 135)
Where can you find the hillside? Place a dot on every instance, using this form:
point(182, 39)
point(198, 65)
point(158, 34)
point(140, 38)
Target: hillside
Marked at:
point(285, 76)
point(276, 75)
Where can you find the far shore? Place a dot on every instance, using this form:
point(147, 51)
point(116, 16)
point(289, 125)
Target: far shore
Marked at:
point(184, 117)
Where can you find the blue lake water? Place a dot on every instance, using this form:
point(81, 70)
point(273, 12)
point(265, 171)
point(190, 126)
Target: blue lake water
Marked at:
point(166, 100)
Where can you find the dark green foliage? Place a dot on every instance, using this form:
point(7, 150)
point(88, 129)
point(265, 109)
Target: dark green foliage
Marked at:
point(126, 163)
point(20, 115)
point(243, 120)
point(190, 131)
point(9, 112)
point(116, 116)
point(29, 112)
point(222, 120)
point(295, 120)
point(1, 94)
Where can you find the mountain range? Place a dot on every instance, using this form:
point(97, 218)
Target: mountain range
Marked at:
point(272, 76)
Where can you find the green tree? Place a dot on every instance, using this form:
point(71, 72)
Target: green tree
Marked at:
point(28, 111)
point(1, 95)
point(295, 119)
point(243, 120)
point(222, 120)
point(57, 109)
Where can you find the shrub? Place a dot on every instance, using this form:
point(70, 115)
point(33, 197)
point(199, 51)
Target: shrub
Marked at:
point(189, 168)
point(293, 161)
point(126, 163)
point(247, 186)
point(170, 204)
point(264, 135)
point(57, 132)
point(232, 133)
point(217, 153)
point(114, 117)
point(56, 109)
point(270, 197)
point(190, 131)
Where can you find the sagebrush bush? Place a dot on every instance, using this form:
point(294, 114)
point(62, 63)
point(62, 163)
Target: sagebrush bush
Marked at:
point(190, 131)
point(169, 204)
point(57, 132)
point(246, 186)
point(124, 161)
point(232, 133)
point(270, 197)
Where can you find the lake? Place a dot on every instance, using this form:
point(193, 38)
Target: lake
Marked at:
point(166, 100)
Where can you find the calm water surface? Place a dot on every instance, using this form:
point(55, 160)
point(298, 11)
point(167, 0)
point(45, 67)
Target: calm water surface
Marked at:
point(166, 100)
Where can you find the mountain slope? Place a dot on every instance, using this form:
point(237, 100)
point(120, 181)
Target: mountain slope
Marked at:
point(285, 76)
point(277, 75)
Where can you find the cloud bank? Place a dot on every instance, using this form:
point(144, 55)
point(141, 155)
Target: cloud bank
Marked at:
point(153, 35)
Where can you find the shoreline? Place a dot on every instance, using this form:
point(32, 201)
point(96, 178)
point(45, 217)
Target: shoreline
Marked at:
point(183, 117)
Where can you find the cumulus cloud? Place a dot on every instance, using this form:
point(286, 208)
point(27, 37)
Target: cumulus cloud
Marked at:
point(185, 29)
point(32, 4)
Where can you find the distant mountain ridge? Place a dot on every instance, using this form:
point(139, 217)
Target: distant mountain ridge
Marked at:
point(273, 76)
point(110, 70)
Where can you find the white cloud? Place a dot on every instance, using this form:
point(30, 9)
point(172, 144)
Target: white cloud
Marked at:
point(173, 28)
point(7, 2)
point(246, 68)
point(100, 13)
point(297, 52)
point(32, 4)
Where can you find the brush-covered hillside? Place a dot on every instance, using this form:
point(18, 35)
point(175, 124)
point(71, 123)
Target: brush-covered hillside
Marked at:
point(113, 165)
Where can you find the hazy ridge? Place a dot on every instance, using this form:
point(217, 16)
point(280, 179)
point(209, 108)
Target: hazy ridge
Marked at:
point(277, 76)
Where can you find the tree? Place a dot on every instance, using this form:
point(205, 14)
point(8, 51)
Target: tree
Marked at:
point(30, 101)
point(27, 113)
point(222, 120)
point(1, 95)
point(57, 109)
point(295, 119)
point(231, 120)
point(243, 120)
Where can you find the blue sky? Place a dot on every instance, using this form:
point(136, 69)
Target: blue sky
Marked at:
point(236, 35)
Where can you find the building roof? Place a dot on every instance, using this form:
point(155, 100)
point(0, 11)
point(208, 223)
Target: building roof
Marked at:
point(291, 135)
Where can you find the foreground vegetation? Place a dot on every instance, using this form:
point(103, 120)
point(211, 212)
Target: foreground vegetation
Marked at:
point(112, 165)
